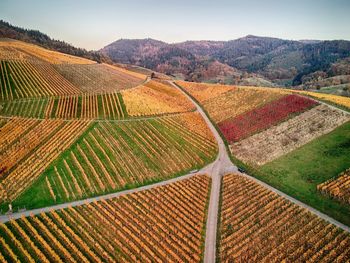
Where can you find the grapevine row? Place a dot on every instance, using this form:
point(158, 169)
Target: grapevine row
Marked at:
point(114, 156)
point(163, 224)
point(155, 98)
point(29, 169)
point(257, 225)
point(23, 79)
point(86, 106)
point(338, 188)
point(99, 77)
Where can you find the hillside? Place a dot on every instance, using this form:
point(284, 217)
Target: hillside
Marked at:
point(307, 64)
point(101, 163)
point(188, 60)
point(36, 37)
point(62, 108)
point(292, 142)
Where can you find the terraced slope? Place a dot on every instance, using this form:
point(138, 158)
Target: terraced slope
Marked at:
point(28, 71)
point(203, 91)
point(112, 156)
point(163, 224)
point(263, 124)
point(257, 225)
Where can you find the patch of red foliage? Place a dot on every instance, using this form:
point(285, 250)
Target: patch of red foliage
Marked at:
point(246, 124)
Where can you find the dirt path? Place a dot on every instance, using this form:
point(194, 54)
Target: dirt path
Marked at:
point(222, 166)
point(219, 167)
point(6, 218)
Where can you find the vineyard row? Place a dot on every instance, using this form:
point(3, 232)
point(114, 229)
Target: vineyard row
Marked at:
point(113, 156)
point(258, 225)
point(23, 79)
point(28, 169)
point(163, 224)
point(87, 106)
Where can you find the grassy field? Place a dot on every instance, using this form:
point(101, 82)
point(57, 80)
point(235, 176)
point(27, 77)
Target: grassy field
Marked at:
point(299, 172)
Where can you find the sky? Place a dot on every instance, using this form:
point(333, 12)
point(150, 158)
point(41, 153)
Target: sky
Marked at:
point(93, 24)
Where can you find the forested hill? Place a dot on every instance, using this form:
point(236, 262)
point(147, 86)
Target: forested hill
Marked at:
point(36, 37)
point(309, 63)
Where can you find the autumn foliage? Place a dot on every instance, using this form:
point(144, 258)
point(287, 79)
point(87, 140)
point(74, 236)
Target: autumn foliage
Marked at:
point(261, 118)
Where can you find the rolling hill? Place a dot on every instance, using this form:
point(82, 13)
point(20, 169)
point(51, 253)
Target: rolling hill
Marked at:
point(308, 64)
point(102, 163)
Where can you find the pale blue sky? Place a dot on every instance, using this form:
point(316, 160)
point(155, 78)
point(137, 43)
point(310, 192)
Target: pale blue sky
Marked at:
point(93, 24)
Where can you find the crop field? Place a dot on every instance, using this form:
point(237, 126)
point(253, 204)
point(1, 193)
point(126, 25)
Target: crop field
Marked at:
point(11, 53)
point(227, 105)
point(194, 122)
point(28, 152)
point(299, 172)
point(163, 224)
point(113, 156)
point(202, 91)
point(226, 102)
point(86, 106)
point(337, 188)
point(23, 79)
point(102, 164)
point(98, 78)
point(257, 225)
point(25, 143)
point(340, 100)
point(258, 119)
point(17, 50)
point(154, 98)
point(278, 140)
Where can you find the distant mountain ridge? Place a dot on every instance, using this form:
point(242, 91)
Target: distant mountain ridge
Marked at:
point(279, 61)
point(250, 60)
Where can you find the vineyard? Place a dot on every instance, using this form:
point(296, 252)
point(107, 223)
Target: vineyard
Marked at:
point(338, 188)
point(155, 98)
point(235, 101)
point(115, 156)
point(13, 49)
point(77, 138)
point(26, 153)
point(203, 92)
point(87, 106)
point(163, 224)
point(289, 135)
point(99, 77)
point(258, 119)
point(257, 225)
point(340, 100)
point(34, 134)
point(23, 79)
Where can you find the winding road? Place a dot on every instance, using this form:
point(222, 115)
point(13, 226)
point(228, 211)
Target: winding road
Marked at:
point(221, 166)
